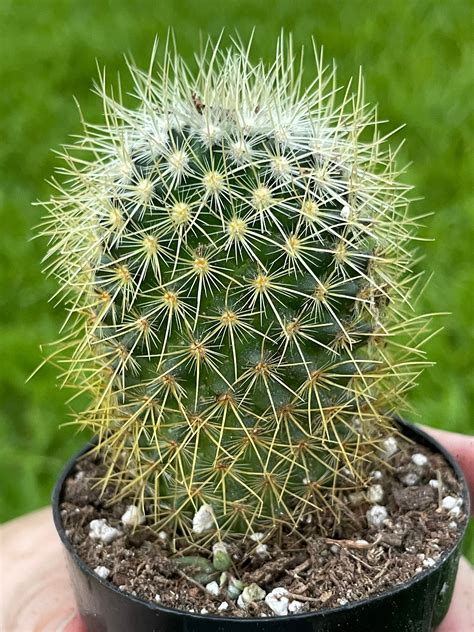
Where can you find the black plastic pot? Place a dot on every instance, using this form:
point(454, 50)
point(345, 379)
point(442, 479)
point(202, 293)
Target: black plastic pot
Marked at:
point(418, 605)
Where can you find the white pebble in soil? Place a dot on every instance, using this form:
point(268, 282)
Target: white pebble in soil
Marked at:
point(102, 571)
point(223, 606)
point(410, 478)
point(133, 516)
point(376, 516)
point(262, 551)
point(448, 502)
point(389, 447)
point(429, 562)
point(203, 519)
point(375, 494)
point(433, 483)
point(419, 459)
point(157, 598)
point(250, 593)
point(213, 588)
point(100, 530)
point(452, 504)
point(377, 475)
point(295, 606)
point(277, 600)
point(257, 536)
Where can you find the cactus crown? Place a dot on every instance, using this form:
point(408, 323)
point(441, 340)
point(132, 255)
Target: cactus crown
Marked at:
point(233, 255)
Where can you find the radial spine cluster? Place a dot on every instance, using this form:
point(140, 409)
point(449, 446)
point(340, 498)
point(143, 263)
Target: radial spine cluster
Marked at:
point(233, 254)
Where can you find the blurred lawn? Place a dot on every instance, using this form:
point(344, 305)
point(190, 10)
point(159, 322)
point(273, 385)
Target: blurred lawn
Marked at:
point(418, 61)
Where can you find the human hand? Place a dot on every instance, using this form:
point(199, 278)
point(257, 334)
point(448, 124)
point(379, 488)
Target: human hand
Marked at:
point(35, 592)
point(460, 617)
point(36, 595)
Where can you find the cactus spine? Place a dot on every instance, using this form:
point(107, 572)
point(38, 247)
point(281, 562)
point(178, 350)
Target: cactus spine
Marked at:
point(233, 253)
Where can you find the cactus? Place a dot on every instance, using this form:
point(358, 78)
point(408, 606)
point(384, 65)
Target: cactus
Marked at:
point(234, 254)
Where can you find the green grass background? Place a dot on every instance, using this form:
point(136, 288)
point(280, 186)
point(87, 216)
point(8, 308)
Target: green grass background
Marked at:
point(418, 62)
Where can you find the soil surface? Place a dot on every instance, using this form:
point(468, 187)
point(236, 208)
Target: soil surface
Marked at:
point(317, 571)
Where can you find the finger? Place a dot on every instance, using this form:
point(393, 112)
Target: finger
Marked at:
point(35, 589)
point(74, 624)
point(460, 617)
point(462, 448)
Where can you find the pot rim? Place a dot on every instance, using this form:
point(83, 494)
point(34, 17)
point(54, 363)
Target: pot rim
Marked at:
point(407, 429)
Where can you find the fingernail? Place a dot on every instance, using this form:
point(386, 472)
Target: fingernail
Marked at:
point(73, 623)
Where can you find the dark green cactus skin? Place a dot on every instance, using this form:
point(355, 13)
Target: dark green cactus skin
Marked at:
point(232, 295)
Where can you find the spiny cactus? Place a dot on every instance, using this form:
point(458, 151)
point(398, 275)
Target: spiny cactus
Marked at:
point(233, 253)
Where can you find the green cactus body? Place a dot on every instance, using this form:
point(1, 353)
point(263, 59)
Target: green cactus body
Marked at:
point(234, 257)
